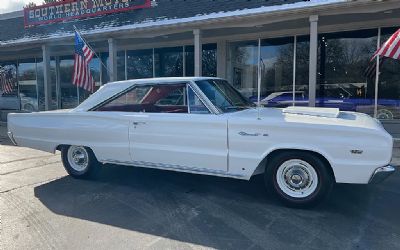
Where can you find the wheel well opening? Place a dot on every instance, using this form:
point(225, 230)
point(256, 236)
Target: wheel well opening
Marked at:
point(59, 147)
point(263, 164)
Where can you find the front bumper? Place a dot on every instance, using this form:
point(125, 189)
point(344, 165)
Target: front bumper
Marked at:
point(381, 174)
point(10, 135)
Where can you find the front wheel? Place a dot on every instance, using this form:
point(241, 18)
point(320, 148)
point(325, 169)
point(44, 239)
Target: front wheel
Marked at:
point(299, 179)
point(79, 161)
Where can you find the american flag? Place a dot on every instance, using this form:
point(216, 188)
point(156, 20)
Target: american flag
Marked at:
point(391, 48)
point(83, 55)
point(370, 72)
point(6, 80)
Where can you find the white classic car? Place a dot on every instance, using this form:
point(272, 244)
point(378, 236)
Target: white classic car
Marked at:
point(205, 126)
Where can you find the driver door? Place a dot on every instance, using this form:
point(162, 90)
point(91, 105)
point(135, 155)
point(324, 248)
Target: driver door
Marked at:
point(176, 131)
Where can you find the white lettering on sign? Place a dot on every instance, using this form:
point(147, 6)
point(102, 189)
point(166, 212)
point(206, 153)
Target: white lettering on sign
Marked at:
point(60, 11)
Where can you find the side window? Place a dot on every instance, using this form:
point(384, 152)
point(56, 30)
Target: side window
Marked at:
point(176, 97)
point(196, 106)
point(128, 102)
point(159, 98)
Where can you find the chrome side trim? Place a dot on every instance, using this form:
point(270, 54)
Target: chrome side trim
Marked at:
point(381, 174)
point(10, 135)
point(177, 168)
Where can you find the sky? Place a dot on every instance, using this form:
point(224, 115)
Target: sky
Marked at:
point(13, 5)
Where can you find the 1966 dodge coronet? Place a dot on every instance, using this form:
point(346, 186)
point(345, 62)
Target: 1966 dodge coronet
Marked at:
point(205, 126)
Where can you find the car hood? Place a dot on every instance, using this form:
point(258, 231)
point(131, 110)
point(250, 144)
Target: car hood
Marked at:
point(309, 117)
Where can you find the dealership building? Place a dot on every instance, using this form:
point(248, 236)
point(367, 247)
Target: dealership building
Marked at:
point(316, 52)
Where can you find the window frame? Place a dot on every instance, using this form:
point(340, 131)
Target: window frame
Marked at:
point(188, 84)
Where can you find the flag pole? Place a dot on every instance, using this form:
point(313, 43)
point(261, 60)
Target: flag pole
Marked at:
point(377, 68)
point(259, 79)
point(90, 47)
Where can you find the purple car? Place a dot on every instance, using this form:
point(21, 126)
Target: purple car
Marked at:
point(387, 108)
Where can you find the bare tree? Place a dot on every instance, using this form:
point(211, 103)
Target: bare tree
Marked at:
point(30, 5)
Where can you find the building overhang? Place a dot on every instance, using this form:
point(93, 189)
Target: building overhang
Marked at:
point(256, 17)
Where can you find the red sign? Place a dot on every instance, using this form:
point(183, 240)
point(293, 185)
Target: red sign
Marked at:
point(77, 9)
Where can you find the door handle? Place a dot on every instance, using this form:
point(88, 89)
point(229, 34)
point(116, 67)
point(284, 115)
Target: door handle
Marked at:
point(139, 123)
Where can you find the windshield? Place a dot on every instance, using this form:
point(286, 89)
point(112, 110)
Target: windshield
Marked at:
point(223, 95)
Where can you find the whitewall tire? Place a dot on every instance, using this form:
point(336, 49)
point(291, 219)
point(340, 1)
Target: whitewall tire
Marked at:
point(79, 161)
point(298, 178)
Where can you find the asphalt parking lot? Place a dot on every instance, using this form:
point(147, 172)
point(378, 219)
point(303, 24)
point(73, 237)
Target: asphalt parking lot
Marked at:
point(132, 208)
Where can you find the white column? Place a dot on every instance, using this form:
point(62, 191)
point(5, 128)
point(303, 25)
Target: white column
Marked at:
point(46, 76)
point(112, 59)
point(58, 82)
point(221, 59)
point(313, 60)
point(198, 53)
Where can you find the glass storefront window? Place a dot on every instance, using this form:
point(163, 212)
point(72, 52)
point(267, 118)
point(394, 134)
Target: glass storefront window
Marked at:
point(105, 78)
point(121, 65)
point(244, 67)
point(209, 60)
point(139, 64)
point(9, 99)
point(28, 89)
point(69, 92)
point(389, 84)
point(344, 59)
point(277, 70)
point(168, 62)
point(53, 84)
point(302, 70)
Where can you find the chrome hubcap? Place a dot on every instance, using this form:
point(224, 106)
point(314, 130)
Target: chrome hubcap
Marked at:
point(297, 178)
point(78, 158)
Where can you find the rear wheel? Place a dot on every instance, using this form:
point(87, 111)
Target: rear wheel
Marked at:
point(299, 179)
point(79, 161)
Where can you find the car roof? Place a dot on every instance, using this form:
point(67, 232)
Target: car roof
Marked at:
point(111, 89)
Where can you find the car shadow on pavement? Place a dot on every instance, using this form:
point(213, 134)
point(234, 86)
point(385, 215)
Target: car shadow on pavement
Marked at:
point(222, 213)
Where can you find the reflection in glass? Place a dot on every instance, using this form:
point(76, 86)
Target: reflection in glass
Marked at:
point(223, 95)
point(9, 94)
point(277, 67)
point(105, 78)
point(276, 70)
point(243, 69)
point(209, 60)
point(27, 81)
point(343, 61)
point(389, 84)
point(169, 62)
point(140, 64)
point(69, 93)
point(53, 84)
point(196, 106)
point(302, 70)
point(121, 65)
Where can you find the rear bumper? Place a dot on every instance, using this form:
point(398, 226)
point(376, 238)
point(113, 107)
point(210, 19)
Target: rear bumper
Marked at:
point(381, 174)
point(10, 135)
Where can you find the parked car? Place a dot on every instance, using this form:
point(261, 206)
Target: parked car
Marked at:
point(205, 126)
point(9, 101)
point(285, 99)
point(387, 108)
point(28, 103)
point(13, 102)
